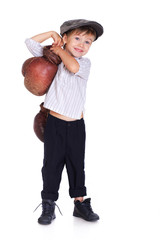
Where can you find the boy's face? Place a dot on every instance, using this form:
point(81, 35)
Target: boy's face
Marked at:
point(78, 44)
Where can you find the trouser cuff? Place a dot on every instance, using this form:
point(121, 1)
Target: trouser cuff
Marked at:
point(77, 192)
point(49, 196)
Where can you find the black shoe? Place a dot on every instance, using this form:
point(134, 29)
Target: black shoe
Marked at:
point(48, 208)
point(84, 210)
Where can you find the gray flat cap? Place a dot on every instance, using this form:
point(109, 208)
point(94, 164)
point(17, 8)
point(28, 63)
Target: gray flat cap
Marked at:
point(76, 23)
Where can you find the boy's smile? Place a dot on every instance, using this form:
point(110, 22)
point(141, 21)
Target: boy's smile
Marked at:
point(78, 50)
point(78, 45)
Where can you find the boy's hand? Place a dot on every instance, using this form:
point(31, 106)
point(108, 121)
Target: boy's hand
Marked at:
point(58, 41)
point(56, 49)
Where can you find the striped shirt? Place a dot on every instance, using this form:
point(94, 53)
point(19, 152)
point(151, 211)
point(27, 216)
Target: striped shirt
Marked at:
point(67, 93)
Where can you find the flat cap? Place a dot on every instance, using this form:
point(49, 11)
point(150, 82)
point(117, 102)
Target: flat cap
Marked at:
point(76, 23)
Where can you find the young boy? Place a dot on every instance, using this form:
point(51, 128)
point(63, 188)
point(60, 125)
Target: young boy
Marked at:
point(64, 141)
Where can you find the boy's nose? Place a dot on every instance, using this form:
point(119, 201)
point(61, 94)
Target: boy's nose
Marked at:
point(81, 44)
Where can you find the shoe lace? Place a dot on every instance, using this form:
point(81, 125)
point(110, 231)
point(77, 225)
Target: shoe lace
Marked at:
point(46, 208)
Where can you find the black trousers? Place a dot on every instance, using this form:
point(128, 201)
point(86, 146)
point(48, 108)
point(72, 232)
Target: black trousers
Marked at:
point(64, 145)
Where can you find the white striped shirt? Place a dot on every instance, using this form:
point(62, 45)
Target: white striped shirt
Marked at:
point(67, 93)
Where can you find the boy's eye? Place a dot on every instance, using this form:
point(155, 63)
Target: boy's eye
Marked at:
point(77, 38)
point(87, 42)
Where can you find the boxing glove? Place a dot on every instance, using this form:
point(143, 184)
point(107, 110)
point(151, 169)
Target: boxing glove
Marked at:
point(40, 122)
point(39, 72)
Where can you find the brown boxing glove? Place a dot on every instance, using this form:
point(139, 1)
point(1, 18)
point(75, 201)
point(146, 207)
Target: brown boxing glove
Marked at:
point(40, 122)
point(39, 72)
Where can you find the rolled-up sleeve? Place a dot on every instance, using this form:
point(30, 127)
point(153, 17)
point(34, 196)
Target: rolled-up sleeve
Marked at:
point(34, 47)
point(84, 68)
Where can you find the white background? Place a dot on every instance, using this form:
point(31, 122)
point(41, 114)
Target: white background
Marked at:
point(122, 122)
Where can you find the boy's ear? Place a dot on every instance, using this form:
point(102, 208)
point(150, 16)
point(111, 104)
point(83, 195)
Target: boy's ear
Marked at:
point(64, 38)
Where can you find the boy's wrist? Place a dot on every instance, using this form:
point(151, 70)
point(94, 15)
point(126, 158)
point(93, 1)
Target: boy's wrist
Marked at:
point(60, 51)
point(52, 34)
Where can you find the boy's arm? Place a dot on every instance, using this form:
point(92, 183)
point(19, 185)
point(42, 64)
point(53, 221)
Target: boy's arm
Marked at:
point(34, 44)
point(51, 34)
point(70, 62)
